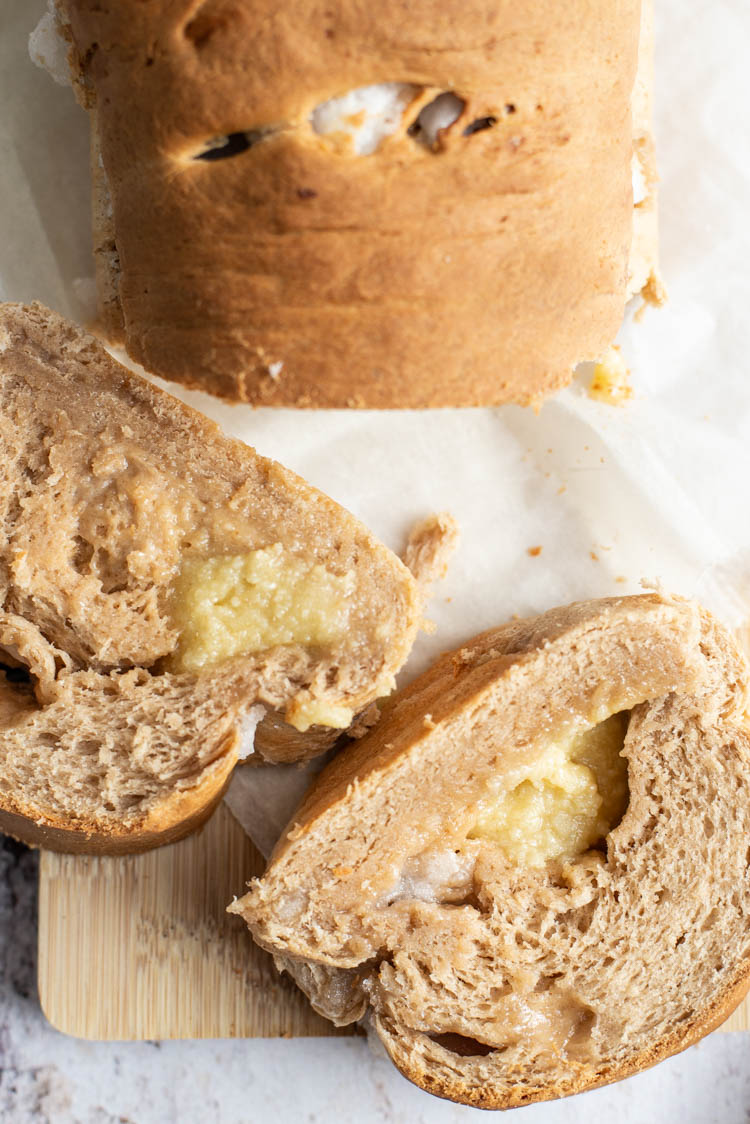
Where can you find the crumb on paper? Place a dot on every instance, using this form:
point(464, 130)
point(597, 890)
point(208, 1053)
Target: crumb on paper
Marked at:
point(609, 382)
point(621, 579)
point(593, 556)
point(430, 545)
point(654, 292)
point(534, 551)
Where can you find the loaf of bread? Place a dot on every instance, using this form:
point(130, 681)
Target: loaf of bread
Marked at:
point(368, 205)
point(532, 876)
point(158, 582)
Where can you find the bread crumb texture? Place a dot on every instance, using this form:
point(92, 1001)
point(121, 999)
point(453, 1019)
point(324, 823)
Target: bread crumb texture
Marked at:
point(532, 875)
point(157, 582)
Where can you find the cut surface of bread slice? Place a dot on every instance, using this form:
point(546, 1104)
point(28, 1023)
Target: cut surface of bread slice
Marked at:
point(532, 876)
point(158, 581)
point(368, 207)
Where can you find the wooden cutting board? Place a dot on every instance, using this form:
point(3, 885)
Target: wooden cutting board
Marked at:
point(142, 948)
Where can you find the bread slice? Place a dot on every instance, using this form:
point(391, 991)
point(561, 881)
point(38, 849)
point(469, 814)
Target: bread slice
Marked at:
point(457, 877)
point(250, 242)
point(135, 540)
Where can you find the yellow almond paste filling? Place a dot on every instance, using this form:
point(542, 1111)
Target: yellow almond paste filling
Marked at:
point(572, 796)
point(239, 604)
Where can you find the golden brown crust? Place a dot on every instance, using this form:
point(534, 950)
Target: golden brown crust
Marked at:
point(463, 1093)
point(178, 816)
point(476, 274)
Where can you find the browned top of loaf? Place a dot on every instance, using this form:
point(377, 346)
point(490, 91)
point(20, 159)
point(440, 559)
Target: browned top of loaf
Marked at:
point(473, 275)
point(108, 483)
point(498, 985)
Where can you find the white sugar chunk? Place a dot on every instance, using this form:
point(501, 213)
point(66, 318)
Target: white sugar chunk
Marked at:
point(367, 115)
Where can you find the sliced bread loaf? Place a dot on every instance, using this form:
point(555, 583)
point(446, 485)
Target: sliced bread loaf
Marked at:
point(532, 876)
point(157, 581)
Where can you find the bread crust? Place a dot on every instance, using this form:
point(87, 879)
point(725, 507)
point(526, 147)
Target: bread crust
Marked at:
point(179, 815)
point(513, 239)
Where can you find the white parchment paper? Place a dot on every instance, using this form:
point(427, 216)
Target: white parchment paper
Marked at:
point(658, 489)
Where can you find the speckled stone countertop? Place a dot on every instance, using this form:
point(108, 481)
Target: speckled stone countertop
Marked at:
point(47, 1078)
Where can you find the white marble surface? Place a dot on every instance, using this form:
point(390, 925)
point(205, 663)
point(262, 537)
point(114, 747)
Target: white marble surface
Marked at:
point(46, 1077)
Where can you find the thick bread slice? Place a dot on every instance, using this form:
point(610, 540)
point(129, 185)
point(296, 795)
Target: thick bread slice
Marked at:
point(111, 491)
point(296, 272)
point(497, 982)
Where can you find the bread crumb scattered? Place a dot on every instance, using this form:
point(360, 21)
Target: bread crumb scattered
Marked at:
point(609, 382)
point(654, 292)
point(429, 548)
point(534, 551)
